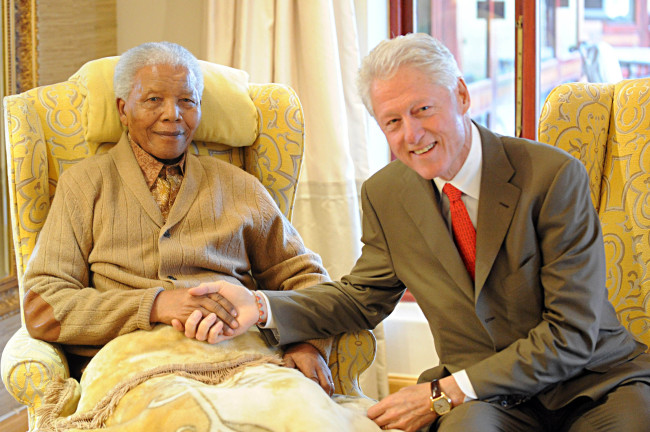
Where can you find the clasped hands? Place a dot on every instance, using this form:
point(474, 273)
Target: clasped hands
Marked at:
point(217, 311)
point(211, 312)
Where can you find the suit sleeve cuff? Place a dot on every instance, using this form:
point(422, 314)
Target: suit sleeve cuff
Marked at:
point(465, 385)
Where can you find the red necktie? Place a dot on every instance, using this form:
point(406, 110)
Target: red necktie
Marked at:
point(461, 225)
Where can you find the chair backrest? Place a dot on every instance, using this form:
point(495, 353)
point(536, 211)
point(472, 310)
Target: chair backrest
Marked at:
point(607, 127)
point(257, 127)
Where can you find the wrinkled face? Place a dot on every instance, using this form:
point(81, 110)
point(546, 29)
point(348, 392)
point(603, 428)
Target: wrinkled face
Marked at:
point(163, 110)
point(427, 125)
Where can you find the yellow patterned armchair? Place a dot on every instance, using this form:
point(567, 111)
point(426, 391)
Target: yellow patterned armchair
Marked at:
point(51, 127)
point(607, 127)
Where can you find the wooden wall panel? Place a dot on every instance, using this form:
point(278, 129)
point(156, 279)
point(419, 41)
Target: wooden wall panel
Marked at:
point(72, 32)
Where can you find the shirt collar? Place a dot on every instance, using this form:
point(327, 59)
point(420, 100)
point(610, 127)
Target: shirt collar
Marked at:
point(468, 178)
point(151, 166)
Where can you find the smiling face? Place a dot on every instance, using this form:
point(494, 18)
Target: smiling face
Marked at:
point(162, 111)
point(427, 125)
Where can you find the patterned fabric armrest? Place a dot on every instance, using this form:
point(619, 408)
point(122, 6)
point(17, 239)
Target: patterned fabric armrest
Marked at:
point(28, 365)
point(352, 353)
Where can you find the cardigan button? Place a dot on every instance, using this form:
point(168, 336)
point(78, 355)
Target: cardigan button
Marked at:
point(171, 278)
point(167, 234)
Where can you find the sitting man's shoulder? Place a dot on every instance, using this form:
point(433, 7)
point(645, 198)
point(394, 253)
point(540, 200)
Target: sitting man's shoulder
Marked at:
point(92, 166)
point(216, 166)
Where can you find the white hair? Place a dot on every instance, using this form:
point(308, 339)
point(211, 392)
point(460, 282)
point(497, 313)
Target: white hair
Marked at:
point(151, 54)
point(417, 50)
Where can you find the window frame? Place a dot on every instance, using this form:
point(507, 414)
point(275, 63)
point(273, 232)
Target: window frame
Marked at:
point(526, 58)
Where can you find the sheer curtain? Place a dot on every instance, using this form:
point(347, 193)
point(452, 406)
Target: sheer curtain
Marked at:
point(313, 47)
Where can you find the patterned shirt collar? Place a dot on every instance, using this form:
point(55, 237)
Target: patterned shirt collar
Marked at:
point(150, 166)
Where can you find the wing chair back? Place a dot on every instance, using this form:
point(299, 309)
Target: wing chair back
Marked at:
point(607, 127)
point(259, 128)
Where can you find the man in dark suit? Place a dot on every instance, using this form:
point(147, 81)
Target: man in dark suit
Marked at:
point(515, 298)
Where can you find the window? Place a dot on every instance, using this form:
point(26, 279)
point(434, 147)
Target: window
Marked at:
point(554, 36)
point(610, 10)
point(481, 37)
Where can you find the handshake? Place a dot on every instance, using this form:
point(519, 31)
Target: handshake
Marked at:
point(213, 311)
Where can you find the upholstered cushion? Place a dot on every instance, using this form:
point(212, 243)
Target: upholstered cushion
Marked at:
point(169, 382)
point(624, 206)
point(229, 115)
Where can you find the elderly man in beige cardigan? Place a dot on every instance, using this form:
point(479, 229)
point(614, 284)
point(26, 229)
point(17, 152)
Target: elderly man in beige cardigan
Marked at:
point(131, 231)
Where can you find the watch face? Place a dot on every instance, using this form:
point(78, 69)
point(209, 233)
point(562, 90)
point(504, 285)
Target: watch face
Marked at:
point(441, 406)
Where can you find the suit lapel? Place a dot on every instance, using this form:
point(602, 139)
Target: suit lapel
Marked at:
point(497, 205)
point(420, 201)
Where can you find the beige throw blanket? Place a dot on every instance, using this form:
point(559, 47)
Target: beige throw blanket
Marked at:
point(160, 380)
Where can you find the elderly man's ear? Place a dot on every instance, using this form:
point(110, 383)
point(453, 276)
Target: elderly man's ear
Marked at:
point(119, 102)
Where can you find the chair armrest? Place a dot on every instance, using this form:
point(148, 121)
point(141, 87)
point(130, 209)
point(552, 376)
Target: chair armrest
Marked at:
point(352, 353)
point(28, 365)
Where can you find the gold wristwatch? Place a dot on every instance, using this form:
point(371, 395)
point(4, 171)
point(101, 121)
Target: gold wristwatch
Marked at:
point(440, 402)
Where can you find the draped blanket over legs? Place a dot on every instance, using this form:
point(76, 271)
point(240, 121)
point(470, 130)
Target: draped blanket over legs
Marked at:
point(163, 381)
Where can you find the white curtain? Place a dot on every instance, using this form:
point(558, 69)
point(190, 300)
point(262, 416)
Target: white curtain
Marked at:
point(311, 46)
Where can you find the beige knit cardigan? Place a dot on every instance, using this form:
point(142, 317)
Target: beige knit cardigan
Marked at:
point(105, 252)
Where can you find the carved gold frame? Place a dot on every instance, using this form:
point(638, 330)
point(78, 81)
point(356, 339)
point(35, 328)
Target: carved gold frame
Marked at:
point(19, 45)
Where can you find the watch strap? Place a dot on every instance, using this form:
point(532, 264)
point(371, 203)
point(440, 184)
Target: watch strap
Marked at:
point(435, 389)
point(436, 394)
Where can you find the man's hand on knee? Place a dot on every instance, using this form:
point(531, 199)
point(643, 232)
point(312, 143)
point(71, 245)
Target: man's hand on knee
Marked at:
point(411, 407)
point(308, 360)
point(407, 409)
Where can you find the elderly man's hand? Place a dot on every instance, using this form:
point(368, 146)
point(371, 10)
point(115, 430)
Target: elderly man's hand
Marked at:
point(207, 328)
point(183, 305)
point(308, 360)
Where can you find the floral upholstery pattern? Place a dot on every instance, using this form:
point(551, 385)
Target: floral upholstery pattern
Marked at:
point(45, 135)
point(607, 127)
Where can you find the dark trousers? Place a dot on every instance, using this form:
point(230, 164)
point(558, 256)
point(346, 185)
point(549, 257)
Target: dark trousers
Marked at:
point(625, 408)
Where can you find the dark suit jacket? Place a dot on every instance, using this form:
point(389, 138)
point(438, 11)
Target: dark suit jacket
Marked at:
point(536, 321)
